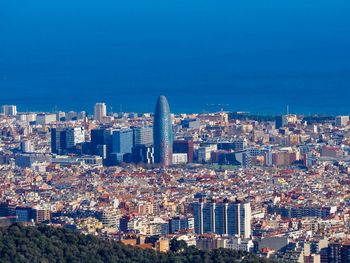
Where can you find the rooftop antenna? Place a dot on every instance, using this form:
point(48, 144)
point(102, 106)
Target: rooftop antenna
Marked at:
point(287, 109)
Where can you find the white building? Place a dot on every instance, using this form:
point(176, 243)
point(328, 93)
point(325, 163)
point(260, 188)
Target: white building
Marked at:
point(100, 111)
point(71, 115)
point(9, 110)
point(341, 121)
point(204, 152)
point(237, 243)
point(180, 158)
point(82, 115)
point(44, 119)
point(289, 119)
point(189, 239)
point(26, 117)
point(27, 146)
point(74, 136)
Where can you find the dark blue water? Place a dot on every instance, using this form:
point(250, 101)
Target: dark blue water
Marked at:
point(253, 55)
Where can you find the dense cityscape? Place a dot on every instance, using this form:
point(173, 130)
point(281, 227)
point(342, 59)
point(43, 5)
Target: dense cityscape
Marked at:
point(275, 186)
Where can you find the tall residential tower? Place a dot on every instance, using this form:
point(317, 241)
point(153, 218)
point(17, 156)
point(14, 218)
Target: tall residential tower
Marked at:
point(100, 111)
point(222, 217)
point(162, 133)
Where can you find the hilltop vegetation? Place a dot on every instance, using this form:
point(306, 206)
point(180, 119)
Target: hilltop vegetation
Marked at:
point(48, 244)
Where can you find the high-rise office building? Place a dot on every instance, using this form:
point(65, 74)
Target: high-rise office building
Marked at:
point(100, 111)
point(74, 136)
point(224, 218)
point(162, 133)
point(9, 110)
point(143, 135)
point(184, 146)
point(101, 142)
point(63, 139)
point(143, 154)
point(58, 140)
point(122, 141)
point(97, 138)
point(279, 122)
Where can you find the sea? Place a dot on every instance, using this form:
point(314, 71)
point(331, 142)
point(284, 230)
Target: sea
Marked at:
point(259, 56)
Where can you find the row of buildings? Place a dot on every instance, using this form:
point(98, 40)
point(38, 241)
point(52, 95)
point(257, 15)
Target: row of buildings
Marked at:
point(278, 187)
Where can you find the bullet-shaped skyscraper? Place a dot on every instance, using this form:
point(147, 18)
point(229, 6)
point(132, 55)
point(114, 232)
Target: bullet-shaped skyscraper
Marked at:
point(162, 133)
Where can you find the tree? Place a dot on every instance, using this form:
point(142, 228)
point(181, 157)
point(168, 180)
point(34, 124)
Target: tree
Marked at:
point(178, 245)
point(48, 244)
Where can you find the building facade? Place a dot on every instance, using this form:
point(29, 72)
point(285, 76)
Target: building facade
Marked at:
point(223, 218)
point(122, 141)
point(100, 111)
point(9, 110)
point(65, 139)
point(184, 146)
point(143, 135)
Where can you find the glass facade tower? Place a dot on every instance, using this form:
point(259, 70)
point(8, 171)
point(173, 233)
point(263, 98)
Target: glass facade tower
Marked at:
point(162, 133)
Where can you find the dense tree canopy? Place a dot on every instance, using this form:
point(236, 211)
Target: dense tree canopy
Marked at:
point(47, 244)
